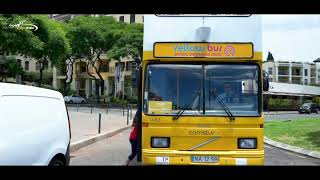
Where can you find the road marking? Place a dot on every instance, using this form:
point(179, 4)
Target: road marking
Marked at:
point(295, 155)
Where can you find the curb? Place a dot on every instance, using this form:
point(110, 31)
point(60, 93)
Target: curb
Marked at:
point(82, 143)
point(295, 149)
point(265, 113)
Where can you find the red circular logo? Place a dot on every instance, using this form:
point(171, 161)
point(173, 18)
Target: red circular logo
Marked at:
point(229, 50)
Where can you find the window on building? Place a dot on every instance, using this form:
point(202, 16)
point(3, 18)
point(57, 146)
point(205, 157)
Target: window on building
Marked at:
point(305, 72)
point(270, 70)
point(26, 65)
point(38, 66)
point(83, 69)
point(104, 68)
point(129, 66)
point(132, 18)
point(305, 81)
point(282, 79)
point(121, 65)
point(121, 18)
point(82, 84)
point(19, 62)
point(46, 65)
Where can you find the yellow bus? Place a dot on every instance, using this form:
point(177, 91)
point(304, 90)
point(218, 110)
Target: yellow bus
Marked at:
point(201, 90)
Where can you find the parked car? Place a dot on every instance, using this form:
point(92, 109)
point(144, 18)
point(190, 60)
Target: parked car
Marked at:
point(309, 108)
point(35, 126)
point(74, 98)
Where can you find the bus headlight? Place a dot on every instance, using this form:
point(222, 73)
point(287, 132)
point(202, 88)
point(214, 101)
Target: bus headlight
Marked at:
point(160, 142)
point(247, 143)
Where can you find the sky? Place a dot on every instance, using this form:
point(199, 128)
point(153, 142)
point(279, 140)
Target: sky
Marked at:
point(291, 37)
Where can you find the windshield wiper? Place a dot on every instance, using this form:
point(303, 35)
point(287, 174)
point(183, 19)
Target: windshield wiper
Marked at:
point(186, 106)
point(180, 112)
point(225, 108)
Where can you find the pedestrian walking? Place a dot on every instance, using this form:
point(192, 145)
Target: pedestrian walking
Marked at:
point(133, 140)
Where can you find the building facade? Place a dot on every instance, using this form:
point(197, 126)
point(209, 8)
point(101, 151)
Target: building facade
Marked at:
point(298, 81)
point(29, 65)
point(293, 72)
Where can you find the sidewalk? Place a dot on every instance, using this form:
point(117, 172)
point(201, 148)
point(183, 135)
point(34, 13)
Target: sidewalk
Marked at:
point(279, 112)
point(85, 125)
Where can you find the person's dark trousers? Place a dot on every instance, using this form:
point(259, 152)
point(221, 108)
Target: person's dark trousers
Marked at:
point(134, 149)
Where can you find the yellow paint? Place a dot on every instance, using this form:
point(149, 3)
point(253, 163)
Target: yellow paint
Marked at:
point(148, 56)
point(160, 107)
point(210, 50)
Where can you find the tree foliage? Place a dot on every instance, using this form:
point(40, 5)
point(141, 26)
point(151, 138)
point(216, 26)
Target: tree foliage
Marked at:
point(9, 67)
point(270, 57)
point(47, 43)
point(90, 37)
point(130, 42)
point(85, 37)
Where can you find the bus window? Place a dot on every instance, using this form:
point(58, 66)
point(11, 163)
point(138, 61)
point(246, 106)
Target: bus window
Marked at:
point(170, 87)
point(236, 86)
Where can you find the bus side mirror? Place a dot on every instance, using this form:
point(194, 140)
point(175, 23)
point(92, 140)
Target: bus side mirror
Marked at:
point(134, 79)
point(135, 74)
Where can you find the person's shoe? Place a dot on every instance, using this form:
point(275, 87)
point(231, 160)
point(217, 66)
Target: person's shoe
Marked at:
point(127, 162)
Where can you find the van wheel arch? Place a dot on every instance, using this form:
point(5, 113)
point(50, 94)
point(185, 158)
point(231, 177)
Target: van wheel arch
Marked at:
point(58, 160)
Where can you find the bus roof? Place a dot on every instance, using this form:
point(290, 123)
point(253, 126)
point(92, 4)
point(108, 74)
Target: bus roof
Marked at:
point(242, 29)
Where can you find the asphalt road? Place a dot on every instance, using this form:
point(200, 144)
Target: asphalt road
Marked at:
point(115, 150)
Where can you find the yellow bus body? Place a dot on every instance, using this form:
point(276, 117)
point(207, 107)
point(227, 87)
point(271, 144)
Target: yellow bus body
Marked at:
point(188, 132)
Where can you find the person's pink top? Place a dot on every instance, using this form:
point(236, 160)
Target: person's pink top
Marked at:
point(133, 134)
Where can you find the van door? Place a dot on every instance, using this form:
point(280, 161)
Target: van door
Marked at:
point(31, 135)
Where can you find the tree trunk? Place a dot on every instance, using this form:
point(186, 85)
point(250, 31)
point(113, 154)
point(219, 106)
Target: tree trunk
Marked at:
point(123, 89)
point(115, 88)
point(65, 88)
point(40, 79)
point(97, 91)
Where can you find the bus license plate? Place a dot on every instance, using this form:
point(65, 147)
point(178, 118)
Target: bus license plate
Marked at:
point(205, 159)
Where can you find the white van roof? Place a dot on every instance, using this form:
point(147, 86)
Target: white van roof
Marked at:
point(17, 89)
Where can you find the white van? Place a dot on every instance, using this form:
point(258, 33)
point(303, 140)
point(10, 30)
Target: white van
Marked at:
point(34, 126)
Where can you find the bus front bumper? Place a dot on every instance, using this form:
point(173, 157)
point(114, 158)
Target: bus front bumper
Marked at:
point(174, 157)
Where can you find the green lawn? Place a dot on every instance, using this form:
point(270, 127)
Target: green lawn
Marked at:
point(303, 133)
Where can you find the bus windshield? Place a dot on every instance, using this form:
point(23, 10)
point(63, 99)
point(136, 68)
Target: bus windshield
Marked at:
point(198, 89)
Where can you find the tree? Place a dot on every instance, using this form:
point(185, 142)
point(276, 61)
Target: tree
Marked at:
point(16, 39)
point(270, 57)
point(9, 68)
point(13, 38)
point(90, 37)
point(130, 43)
point(47, 43)
point(55, 46)
point(65, 60)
